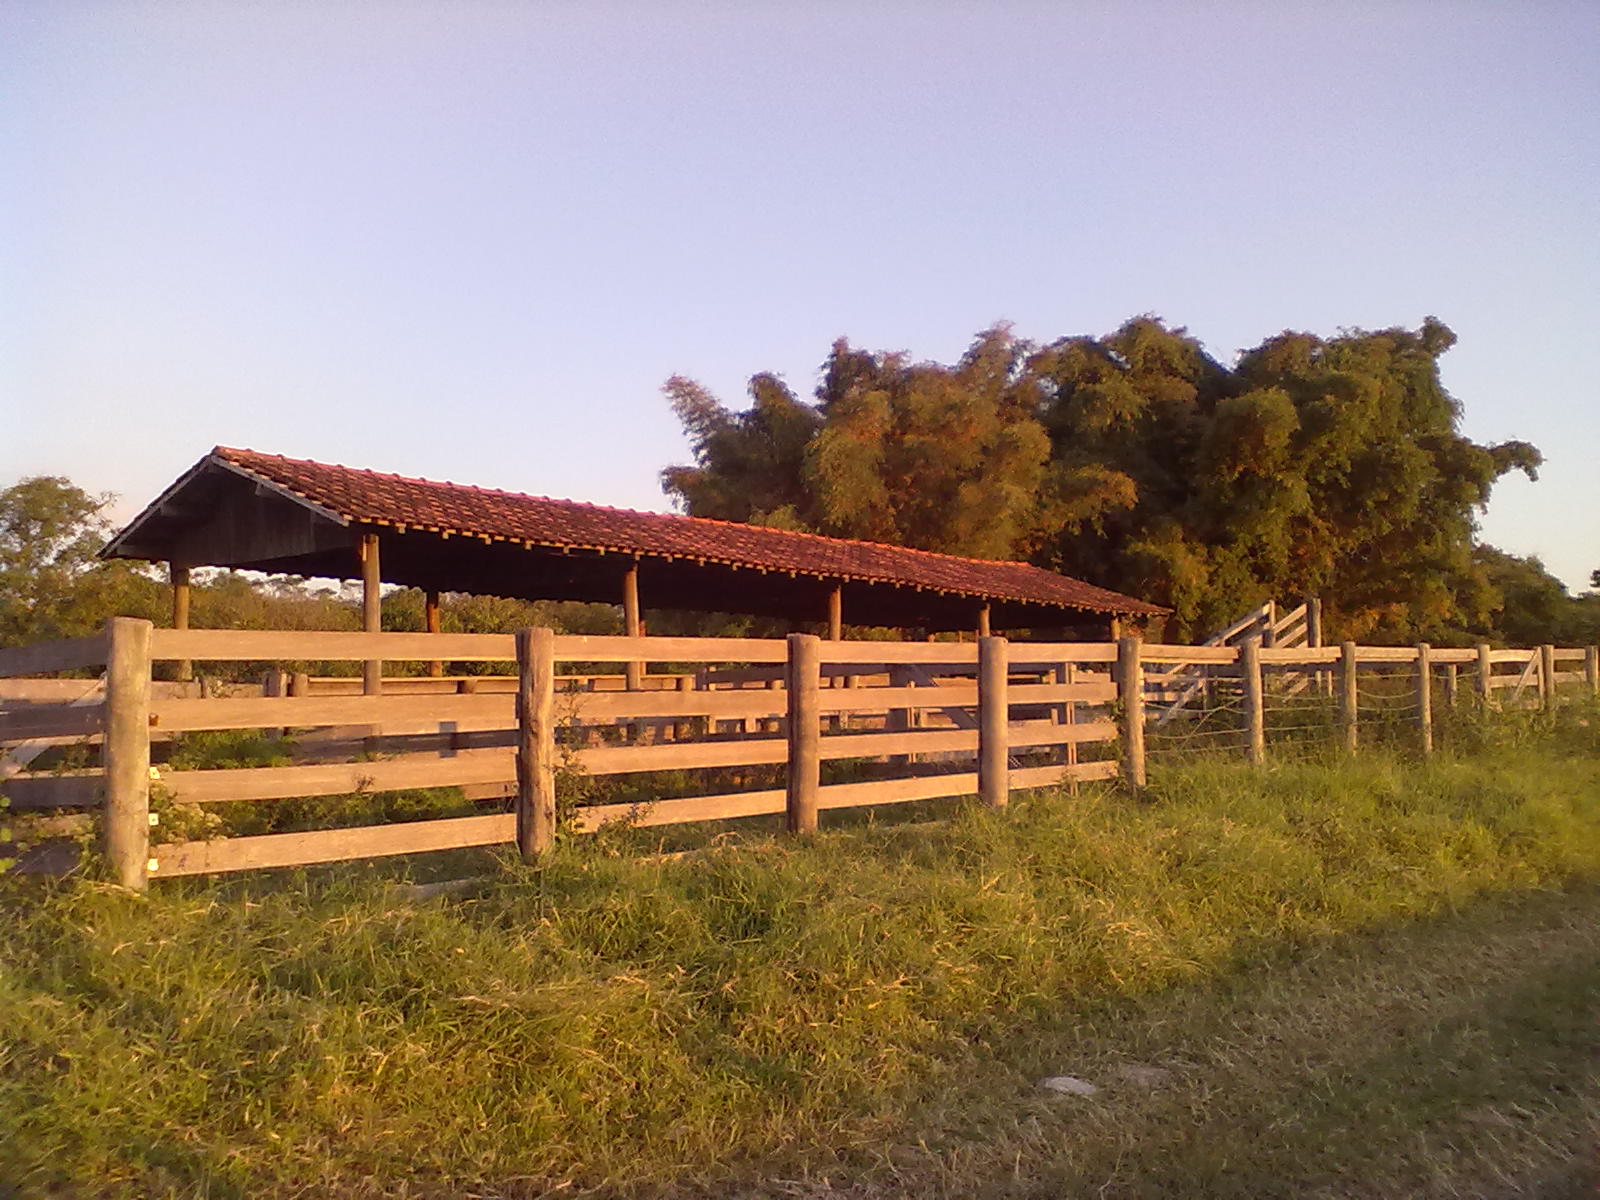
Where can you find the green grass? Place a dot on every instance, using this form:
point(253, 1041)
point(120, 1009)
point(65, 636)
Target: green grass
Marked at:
point(1302, 946)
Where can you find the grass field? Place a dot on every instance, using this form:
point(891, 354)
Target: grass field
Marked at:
point(1371, 979)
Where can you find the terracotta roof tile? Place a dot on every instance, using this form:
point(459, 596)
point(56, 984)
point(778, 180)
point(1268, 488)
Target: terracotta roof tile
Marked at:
point(373, 497)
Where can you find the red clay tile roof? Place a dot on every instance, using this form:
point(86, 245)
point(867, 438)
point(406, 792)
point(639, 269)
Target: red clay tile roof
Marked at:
point(372, 497)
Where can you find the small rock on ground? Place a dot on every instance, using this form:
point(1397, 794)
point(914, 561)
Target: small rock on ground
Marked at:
point(1071, 1085)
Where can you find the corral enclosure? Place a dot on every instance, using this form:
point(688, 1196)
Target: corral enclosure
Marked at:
point(820, 725)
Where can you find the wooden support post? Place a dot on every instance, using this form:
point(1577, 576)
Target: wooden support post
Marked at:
point(803, 778)
point(1591, 671)
point(1425, 698)
point(1349, 696)
point(633, 672)
point(1255, 708)
point(371, 610)
point(1130, 692)
point(430, 617)
point(1452, 685)
point(1321, 680)
point(1269, 631)
point(994, 714)
point(183, 669)
point(983, 622)
point(1485, 674)
point(536, 742)
point(1547, 676)
point(126, 754)
point(300, 684)
point(836, 614)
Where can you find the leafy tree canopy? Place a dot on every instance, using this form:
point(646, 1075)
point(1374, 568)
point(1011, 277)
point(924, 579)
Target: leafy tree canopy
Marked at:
point(52, 584)
point(1137, 461)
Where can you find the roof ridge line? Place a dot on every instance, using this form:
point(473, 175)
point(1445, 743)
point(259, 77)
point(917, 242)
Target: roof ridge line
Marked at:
point(226, 451)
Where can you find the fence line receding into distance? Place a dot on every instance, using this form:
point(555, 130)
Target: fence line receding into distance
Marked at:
point(894, 721)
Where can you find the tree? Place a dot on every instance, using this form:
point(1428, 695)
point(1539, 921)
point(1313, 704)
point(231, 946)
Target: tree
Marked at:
point(749, 466)
point(915, 454)
point(1138, 462)
point(52, 584)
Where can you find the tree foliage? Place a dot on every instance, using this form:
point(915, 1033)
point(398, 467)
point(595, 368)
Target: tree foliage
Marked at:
point(940, 458)
point(52, 584)
point(1527, 605)
point(1139, 462)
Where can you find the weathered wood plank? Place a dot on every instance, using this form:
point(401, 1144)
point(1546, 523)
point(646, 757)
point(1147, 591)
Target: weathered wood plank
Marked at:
point(32, 792)
point(591, 706)
point(964, 654)
point(618, 760)
point(238, 645)
point(464, 768)
point(1295, 656)
point(1031, 777)
point(600, 648)
point(64, 721)
point(66, 654)
point(1044, 655)
point(1520, 657)
point(1062, 693)
point(1386, 654)
point(295, 712)
point(722, 807)
point(330, 845)
point(22, 692)
point(1161, 653)
point(898, 791)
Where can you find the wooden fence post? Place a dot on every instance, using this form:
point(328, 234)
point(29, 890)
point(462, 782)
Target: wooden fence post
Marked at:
point(803, 778)
point(371, 610)
point(1068, 673)
point(126, 753)
point(1425, 697)
point(1591, 670)
point(1130, 692)
point(1452, 685)
point(994, 715)
point(1547, 676)
point(536, 742)
point(1349, 696)
point(1255, 708)
point(1321, 679)
point(1485, 674)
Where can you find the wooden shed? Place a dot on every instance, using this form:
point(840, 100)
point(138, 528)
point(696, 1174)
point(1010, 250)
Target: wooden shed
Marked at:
point(263, 512)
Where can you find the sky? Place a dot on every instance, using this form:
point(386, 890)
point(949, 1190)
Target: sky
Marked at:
point(470, 241)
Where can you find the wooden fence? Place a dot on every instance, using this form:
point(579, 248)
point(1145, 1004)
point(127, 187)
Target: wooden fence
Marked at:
point(922, 720)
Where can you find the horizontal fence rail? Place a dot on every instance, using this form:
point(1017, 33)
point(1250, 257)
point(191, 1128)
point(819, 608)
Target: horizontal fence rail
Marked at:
point(914, 720)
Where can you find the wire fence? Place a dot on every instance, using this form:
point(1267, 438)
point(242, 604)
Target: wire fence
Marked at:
point(1304, 718)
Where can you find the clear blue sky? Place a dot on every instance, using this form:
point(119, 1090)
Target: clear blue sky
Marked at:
point(471, 240)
